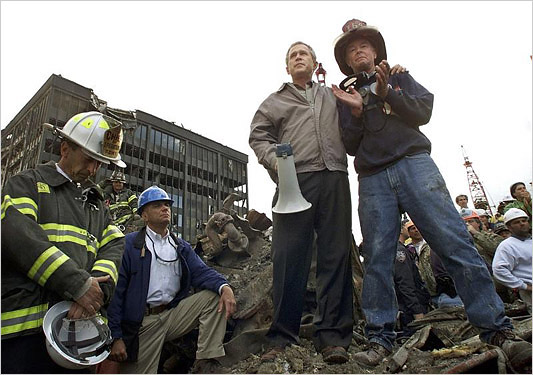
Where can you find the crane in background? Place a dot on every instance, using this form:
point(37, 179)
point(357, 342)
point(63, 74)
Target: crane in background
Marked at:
point(477, 192)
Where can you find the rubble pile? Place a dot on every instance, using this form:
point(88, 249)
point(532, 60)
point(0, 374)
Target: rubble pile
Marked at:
point(444, 341)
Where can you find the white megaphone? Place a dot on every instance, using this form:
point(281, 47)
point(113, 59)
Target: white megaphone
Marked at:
point(290, 199)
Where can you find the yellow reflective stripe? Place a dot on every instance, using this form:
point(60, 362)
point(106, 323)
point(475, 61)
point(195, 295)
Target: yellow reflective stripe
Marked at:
point(123, 219)
point(91, 248)
point(23, 319)
point(132, 198)
point(24, 205)
point(64, 228)
point(24, 312)
point(46, 264)
point(108, 267)
point(51, 269)
point(119, 204)
point(109, 234)
point(69, 233)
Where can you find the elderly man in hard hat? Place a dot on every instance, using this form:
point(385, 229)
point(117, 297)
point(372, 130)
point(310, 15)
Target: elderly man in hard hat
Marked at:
point(58, 240)
point(396, 174)
point(512, 262)
point(153, 304)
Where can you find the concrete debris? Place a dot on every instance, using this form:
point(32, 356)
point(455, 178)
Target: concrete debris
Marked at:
point(444, 341)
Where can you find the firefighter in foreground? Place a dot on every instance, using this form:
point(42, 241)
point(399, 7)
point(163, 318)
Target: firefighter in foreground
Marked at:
point(153, 301)
point(121, 200)
point(58, 241)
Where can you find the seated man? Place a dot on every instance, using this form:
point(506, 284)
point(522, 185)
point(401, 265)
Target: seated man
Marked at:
point(485, 218)
point(152, 302)
point(411, 292)
point(485, 242)
point(512, 261)
point(446, 293)
point(426, 264)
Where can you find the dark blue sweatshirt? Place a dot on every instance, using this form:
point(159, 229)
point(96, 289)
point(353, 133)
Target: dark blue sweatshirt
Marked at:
point(378, 140)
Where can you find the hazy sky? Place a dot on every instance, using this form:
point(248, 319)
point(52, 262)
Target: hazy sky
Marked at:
point(209, 65)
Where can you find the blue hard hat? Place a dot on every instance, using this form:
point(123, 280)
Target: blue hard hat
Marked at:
point(152, 194)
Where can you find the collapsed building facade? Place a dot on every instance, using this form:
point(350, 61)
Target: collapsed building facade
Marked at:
point(197, 172)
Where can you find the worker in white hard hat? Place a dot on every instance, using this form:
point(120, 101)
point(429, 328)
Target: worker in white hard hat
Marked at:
point(58, 241)
point(512, 261)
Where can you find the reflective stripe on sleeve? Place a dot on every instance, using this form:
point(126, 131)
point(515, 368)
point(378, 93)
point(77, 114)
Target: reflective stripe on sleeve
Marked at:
point(70, 233)
point(119, 205)
point(109, 234)
point(46, 264)
point(108, 267)
point(23, 319)
point(24, 205)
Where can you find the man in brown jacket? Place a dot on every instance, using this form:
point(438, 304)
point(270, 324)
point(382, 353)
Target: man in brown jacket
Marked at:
point(304, 114)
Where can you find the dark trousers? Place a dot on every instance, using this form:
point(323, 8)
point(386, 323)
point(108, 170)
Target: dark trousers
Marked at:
point(292, 244)
point(28, 355)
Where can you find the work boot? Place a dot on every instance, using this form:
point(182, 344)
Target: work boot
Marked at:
point(517, 350)
point(207, 366)
point(371, 357)
point(334, 354)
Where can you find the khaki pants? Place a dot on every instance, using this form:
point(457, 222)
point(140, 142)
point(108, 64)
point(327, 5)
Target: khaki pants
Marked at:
point(198, 310)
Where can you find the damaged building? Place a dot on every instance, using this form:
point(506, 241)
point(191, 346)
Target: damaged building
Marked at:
point(197, 172)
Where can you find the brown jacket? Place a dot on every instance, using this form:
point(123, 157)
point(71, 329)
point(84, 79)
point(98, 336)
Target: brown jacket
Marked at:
point(313, 131)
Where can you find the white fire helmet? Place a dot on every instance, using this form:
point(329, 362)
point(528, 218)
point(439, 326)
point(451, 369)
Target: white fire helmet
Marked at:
point(75, 343)
point(98, 135)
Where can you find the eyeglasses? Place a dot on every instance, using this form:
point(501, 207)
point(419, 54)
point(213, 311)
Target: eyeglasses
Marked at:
point(158, 257)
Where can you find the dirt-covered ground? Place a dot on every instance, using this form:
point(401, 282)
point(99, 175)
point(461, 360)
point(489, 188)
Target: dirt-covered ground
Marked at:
point(444, 341)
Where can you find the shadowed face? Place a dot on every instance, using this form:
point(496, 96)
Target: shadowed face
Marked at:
point(414, 233)
point(75, 163)
point(360, 55)
point(118, 186)
point(519, 227)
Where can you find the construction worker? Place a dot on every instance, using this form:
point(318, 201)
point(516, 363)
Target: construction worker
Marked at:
point(58, 241)
point(121, 200)
point(154, 303)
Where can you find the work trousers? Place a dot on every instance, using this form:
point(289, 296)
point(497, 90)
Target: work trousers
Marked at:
point(198, 310)
point(415, 185)
point(292, 245)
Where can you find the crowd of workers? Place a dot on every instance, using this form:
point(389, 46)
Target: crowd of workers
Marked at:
point(63, 240)
point(422, 282)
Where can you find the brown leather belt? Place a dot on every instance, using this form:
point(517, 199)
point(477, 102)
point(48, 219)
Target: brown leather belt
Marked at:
point(155, 309)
